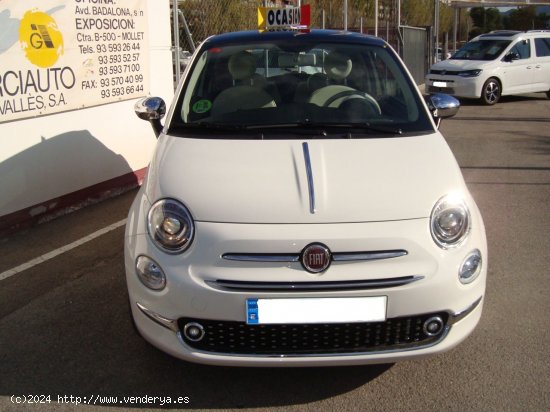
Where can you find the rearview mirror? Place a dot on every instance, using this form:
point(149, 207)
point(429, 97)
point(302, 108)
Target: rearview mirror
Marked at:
point(151, 109)
point(510, 57)
point(442, 106)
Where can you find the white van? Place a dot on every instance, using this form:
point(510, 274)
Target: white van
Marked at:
point(495, 64)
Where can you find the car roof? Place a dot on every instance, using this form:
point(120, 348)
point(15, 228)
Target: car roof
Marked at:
point(329, 36)
point(511, 34)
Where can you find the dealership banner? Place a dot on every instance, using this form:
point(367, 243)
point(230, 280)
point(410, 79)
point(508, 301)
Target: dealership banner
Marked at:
point(65, 55)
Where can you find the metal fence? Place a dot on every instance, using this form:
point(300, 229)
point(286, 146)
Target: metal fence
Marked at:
point(200, 19)
point(207, 17)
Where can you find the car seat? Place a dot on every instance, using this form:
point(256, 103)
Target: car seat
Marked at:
point(247, 91)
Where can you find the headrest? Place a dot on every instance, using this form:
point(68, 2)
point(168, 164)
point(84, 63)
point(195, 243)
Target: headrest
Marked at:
point(337, 65)
point(287, 60)
point(242, 65)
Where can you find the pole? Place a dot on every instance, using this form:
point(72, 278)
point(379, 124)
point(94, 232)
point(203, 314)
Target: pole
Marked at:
point(455, 29)
point(399, 27)
point(176, 39)
point(345, 15)
point(436, 29)
point(376, 18)
point(445, 49)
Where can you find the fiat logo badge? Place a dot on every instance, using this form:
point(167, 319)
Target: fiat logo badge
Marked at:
point(316, 258)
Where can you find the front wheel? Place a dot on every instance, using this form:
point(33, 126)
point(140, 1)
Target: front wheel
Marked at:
point(490, 94)
point(548, 94)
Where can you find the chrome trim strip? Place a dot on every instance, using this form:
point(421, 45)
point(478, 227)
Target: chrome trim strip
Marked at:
point(309, 172)
point(257, 257)
point(171, 324)
point(353, 256)
point(313, 286)
point(337, 257)
point(457, 317)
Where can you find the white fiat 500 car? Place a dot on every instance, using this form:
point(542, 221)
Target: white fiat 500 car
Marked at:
point(302, 209)
point(495, 64)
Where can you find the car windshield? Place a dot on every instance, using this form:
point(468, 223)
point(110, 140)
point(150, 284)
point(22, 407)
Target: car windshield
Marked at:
point(281, 86)
point(481, 50)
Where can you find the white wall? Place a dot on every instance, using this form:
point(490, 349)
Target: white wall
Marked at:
point(53, 155)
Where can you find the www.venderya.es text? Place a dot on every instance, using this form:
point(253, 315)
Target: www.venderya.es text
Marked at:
point(100, 400)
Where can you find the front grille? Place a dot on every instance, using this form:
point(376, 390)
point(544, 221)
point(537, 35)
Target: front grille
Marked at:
point(445, 72)
point(238, 338)
point(446, 90)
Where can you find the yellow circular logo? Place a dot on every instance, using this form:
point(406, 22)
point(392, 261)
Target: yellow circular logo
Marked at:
point(40, 38)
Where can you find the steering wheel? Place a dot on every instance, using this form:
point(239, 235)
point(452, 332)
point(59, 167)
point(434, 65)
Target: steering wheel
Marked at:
point(348, 95)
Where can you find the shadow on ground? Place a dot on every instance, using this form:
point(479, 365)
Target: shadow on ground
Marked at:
point(69, 342)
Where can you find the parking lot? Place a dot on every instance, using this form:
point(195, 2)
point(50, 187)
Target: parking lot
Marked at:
point(65, 328)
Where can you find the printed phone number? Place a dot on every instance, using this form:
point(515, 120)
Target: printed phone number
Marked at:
point(121, 91)
point(118, 58)
point(119, 69)
point(117, 47)
point(121, 80)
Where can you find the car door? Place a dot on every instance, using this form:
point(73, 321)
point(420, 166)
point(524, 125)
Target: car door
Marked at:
point(519, 69)
point(542, 63)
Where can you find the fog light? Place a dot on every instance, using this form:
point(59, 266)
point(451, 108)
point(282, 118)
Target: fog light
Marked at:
point(150, 273)
point(193, 331)
point(471, 267)
point(433, 326)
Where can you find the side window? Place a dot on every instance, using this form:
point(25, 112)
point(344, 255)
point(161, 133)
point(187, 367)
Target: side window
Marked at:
point(542, 46)
point(523, 48)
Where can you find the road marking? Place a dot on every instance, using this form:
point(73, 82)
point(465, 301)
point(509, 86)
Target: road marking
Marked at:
point(50, 255)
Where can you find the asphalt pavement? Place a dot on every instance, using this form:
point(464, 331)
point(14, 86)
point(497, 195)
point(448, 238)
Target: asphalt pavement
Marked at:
point(66, 335)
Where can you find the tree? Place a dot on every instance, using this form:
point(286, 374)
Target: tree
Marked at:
point(526, 18)
point(485, 20)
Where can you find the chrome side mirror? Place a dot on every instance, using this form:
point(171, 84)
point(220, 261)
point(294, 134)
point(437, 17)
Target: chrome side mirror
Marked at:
point(442, 106)
point(151, 109)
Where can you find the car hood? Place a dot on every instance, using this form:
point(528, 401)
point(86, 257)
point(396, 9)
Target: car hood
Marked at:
point(266, 181)
point(456, 65)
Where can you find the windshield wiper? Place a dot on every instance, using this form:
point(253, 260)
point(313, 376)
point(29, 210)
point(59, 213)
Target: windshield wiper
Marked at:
point(215, 126)
point(217, 129)
point(367, 126)
point(321, 126)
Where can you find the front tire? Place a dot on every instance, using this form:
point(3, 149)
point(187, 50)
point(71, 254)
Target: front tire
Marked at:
point(490, 94)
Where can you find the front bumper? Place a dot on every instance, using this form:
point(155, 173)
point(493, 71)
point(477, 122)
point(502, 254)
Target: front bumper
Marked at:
point(193, 294)
point(468, 87)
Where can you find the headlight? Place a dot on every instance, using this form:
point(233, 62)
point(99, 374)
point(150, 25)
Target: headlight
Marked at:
point(470, 73)
point(150, 273)
point(450, 221)
point(170, 225)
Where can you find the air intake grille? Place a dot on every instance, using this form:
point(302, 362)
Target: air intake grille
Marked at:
point(312, 339)
point(448, 72)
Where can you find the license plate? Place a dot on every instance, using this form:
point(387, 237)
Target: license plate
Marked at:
point(316, 310)
point(440, 84)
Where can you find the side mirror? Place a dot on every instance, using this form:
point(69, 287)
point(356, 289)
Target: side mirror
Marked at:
point(511, 56)
point(442, 106)
point(151, 109)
